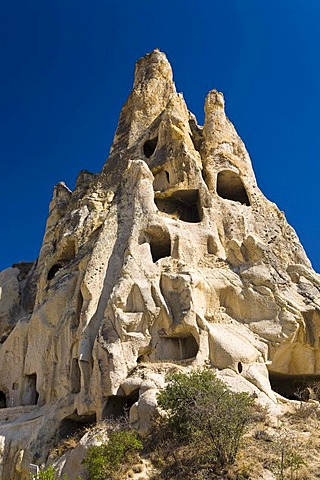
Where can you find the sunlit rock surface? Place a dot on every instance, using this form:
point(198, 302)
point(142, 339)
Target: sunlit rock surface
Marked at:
point(170, 258)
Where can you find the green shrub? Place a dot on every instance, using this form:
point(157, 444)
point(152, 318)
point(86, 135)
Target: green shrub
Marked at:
point(104, 461)
point(203, 410)
point(49, 474)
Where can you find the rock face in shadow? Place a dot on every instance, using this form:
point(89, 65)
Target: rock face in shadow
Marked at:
point(170, 258)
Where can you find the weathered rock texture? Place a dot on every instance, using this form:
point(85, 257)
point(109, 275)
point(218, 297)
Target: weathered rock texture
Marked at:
point(171, 257)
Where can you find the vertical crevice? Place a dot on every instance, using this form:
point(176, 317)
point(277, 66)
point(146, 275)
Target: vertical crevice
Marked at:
point(195, 135)
point(75, 376)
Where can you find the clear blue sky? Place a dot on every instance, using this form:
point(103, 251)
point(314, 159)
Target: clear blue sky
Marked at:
point(67, 68)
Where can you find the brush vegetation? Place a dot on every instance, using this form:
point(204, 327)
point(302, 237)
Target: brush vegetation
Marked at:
point(208, 432)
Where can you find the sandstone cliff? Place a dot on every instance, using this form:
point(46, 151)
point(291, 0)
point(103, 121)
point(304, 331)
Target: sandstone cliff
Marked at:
point(171, 256)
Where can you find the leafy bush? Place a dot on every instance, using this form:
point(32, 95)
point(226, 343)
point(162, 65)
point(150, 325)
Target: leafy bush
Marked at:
point(103, 461)
point(201, 409)
point(48, 474)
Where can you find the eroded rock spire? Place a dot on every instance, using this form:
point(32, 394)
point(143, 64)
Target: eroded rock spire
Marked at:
point(170, 258)
point(152, 89)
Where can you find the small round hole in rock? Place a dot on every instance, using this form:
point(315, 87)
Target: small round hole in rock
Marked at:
point(150, 146)
point(240, 368)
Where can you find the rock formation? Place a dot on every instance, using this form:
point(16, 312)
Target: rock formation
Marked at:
point(170, 257)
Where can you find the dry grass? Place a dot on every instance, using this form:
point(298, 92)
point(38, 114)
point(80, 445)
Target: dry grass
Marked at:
point(295, 435)
point(66, 444)
point(297, 438)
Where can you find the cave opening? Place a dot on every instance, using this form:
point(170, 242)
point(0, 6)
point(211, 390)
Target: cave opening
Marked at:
point(67, 253)
point(176, 348)
point(74, 423)
point(160, 248)
point(230, 187)
point(119, 405)
point(182, 205)
point(3, 400)
point(159, 241)
point(30, 395)
point(294, 387)
point(53, 270)
point(150, 146)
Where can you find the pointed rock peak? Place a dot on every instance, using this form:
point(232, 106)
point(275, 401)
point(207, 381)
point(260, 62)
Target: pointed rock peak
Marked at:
point(60, 189)
point(152, 65)
point(152, 90)
point(61, 196)
point(214, 101)
point(221, 142)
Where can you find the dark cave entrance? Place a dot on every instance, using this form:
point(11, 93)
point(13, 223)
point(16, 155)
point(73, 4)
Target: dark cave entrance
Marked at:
point(118, 405)
point(53, 270)
point(160, 247)
point(150, 146)
point(159, 241)
point(69, 426)
point(182, 205)
point(3, 400)
point(230, 187)
point(294, 387)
